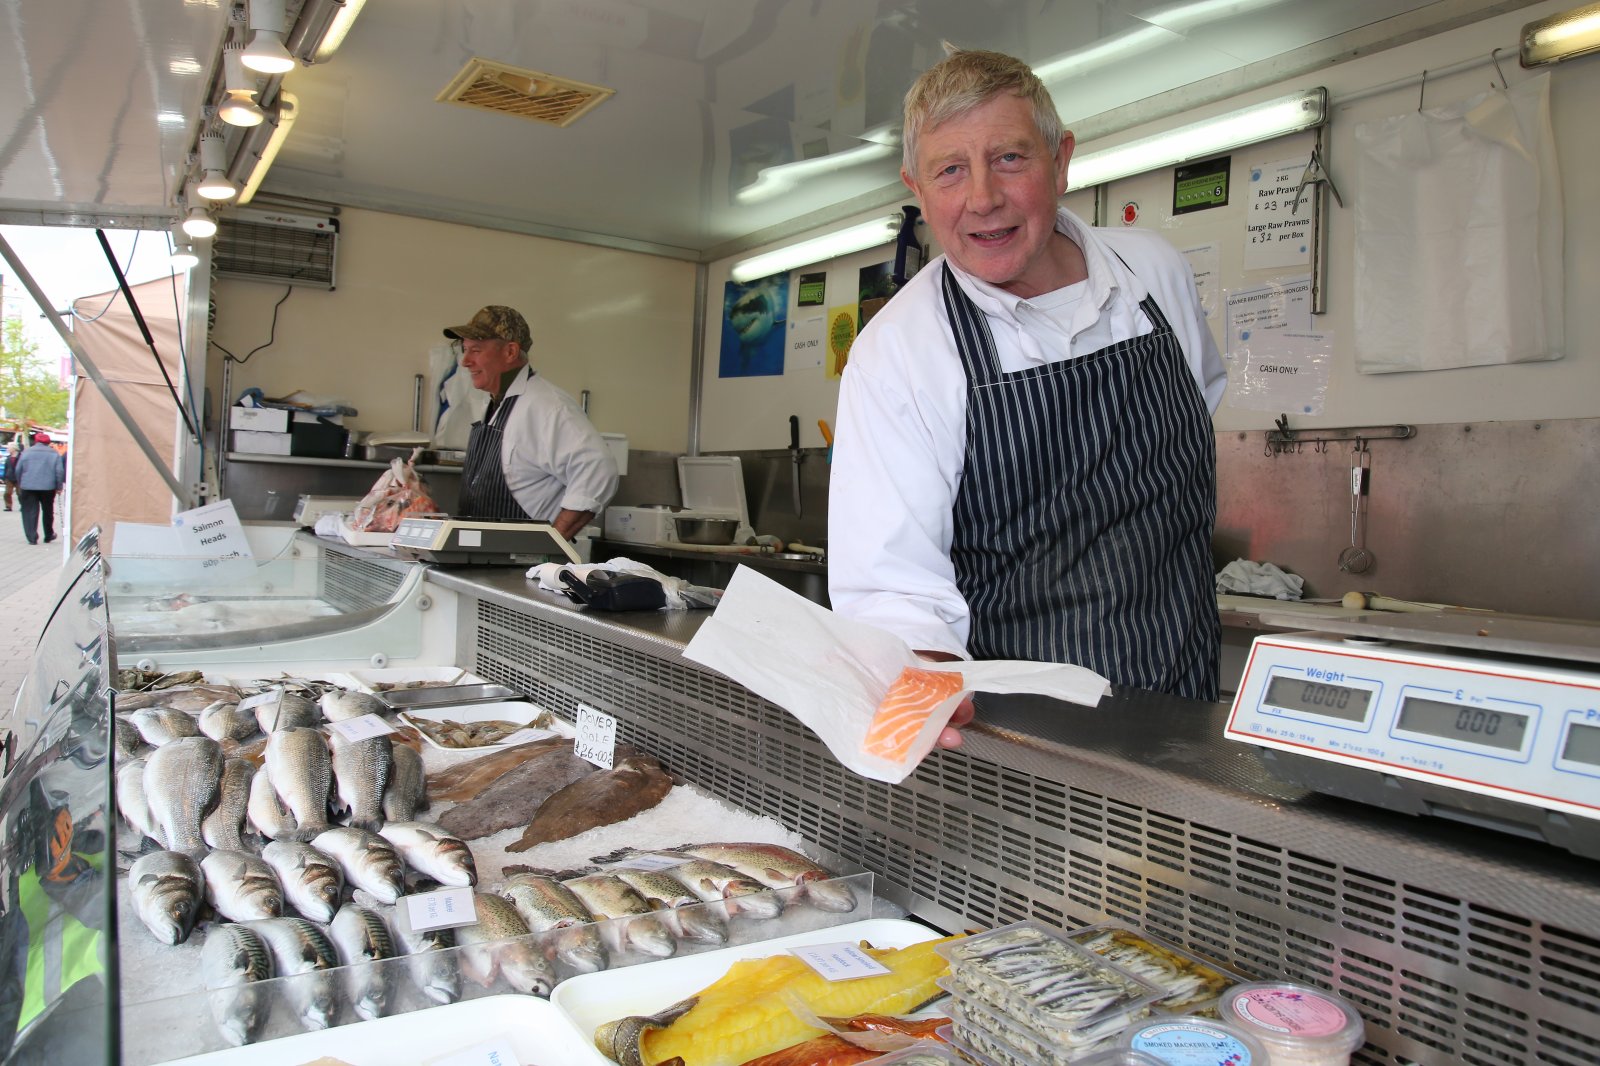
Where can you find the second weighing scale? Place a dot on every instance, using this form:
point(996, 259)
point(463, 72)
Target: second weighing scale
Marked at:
point(476, 542)
point(1435, 725)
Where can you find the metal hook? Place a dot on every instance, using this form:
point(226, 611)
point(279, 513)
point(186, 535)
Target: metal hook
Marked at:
point(1421, 88)
point(1269, 449)
point(1322, 445)
point(1494, 57)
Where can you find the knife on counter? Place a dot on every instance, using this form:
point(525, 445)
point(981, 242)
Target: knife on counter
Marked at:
point(794, 459)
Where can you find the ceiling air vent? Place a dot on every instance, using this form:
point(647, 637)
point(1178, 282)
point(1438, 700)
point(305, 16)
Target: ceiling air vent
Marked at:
point(528, 94)
point(274, 246)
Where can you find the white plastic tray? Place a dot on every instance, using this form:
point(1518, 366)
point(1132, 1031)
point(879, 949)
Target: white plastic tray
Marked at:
point(518, 711)
point(538, 1032)
point(592, 999)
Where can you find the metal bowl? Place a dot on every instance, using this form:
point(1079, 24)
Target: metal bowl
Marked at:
point(706, 530)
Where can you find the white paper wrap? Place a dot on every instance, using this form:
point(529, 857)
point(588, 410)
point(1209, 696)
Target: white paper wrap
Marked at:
point(832, 673)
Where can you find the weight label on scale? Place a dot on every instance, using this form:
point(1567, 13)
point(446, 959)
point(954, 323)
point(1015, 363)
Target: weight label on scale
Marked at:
point(596, 741)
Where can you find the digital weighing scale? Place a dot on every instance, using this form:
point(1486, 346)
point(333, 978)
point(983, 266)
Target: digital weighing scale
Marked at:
point(479, 542)
point(1432, 725)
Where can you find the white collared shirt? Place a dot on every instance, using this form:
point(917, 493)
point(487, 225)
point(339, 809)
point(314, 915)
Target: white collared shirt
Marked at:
point(901, 432)
point(552, 456)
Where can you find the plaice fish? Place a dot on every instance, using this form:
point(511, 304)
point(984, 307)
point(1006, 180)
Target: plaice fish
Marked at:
point(161, 725)
point(744, 896)
point(363, 941)
point(467, 779)
point(302, 772)
point(241, 887)
point(223, 721)
point(686, 915)
point(779, 867)
point(407, 790)
point(360, 772)
point(341, 704)
point(545, 904)
point(431, 952)
point(233, 962)
point(368, 861)
point(302, 951)
point(221, 828)
point(636, 783)
point(180, 783)
point(430, 850)
point(166, 888)
point(516, 796)
point(265, 809)
point(278, 708)
point(312, 882)
point(498, 945)
point(133, 803)
point(608, 896)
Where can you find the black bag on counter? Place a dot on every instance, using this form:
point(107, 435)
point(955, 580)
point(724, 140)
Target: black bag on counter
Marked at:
point(606, 590)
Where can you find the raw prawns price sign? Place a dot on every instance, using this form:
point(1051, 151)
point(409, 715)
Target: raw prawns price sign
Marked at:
point(596, 741)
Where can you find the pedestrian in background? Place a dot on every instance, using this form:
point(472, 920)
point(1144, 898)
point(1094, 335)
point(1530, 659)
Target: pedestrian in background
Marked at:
point(41, 471)
point(13, 449)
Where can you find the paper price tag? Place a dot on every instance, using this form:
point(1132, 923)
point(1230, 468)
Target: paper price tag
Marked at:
point(596, 741)
point(365, 727)
point(839, 962)
point(528, 736)
point(496, 1052)
point(650, 862)
point(448, 908)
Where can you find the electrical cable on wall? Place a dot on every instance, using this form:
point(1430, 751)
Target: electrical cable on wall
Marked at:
point(272, 333)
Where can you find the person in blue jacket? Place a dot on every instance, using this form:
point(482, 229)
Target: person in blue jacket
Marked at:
point(41, 471)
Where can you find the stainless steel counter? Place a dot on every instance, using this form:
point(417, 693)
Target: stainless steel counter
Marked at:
point(1459, 945)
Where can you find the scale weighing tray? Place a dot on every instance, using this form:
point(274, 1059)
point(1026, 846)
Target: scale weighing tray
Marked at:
point(1477, 735)
point(478, 542)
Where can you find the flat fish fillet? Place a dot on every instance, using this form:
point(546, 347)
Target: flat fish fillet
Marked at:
point(905, 707)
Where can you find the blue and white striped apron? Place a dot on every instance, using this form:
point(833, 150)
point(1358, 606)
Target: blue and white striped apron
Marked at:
point(1084, 516)
point(484, 492)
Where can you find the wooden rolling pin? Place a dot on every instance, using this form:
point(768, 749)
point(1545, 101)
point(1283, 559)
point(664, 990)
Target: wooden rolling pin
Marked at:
point(1371, 601)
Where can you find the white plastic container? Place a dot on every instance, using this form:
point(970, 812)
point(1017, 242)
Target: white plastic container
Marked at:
point(1192, 1041)
point(1298, 1024)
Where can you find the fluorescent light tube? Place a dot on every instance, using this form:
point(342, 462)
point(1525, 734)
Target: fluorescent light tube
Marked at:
point(1571, 33)
point(1250, 125)
point(288, 111)
point(817, 249)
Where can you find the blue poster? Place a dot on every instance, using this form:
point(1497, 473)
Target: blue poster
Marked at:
point(754, 314)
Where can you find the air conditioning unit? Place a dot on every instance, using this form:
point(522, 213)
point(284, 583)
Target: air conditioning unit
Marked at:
point(256, 244)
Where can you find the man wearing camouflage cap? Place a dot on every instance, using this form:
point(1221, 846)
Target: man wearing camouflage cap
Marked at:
point(534, 456)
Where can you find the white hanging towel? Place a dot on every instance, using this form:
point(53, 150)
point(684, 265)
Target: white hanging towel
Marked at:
point(1459, 235)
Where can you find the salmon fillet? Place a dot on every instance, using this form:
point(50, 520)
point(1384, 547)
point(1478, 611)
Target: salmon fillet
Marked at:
point(905, 707)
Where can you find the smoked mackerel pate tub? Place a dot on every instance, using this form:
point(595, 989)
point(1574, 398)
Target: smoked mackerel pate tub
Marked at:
point(1300, 1025)
point(1194, 1042)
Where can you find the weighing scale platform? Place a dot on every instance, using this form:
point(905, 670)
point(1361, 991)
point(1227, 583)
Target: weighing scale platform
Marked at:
point(479, 542)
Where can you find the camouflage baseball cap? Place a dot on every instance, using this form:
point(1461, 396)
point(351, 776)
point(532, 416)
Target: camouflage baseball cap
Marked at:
point(494, 323)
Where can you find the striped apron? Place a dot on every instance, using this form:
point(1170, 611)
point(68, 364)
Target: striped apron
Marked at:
point(484, 493)
point(1084, 516)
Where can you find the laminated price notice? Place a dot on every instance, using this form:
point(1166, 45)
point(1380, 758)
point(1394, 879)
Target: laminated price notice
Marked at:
point(596, 741)
point(448, 908)
point(650, 863)
point(364, 727)
point(496, 1052)
point(839, 962)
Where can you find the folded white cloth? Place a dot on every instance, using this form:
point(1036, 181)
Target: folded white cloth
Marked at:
point(1259, 579)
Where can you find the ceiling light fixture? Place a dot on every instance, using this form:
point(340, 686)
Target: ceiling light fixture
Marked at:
point(1571, 33)
point(321, 28)
point(183, 256)
point(817, 249)
point(266, 52)
point(1236, 129)
point(239, 108)
point(198, 223)
point(288, 109)
point(1163, 26)
point(214, 183)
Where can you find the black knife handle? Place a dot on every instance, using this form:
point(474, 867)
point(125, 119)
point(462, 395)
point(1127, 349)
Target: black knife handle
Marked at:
point(794, 433)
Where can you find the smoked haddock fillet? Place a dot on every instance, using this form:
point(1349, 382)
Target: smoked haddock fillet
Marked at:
point(905, 707)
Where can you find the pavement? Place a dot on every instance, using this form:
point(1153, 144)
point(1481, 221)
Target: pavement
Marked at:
point(29, 574)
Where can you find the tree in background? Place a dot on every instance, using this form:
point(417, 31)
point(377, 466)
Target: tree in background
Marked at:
point(29, 392)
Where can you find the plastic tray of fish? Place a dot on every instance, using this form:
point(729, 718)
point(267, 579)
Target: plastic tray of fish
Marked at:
point(446, 695)
point(1022, 1042)
point(591, 1000)
point(481, 726)
point(1064, 992)
point(1190, 983)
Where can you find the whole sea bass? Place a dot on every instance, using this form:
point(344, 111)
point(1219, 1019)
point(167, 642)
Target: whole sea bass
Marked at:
point(301, 771)
point(221, 828)
point(162, 725)
point(166, 888)
point(407, 790)
point(265, 809)
point(278, 708)
point(180, 784)
point(302, 951)
point(241, 887)
point(361, 770)
point(312, 882)
point(232, 964)
point(133, 803)
point(225, 721)
point(364, 943)
point(430, 850)
point(368, 861)
point(340, 704)
point(545, 904)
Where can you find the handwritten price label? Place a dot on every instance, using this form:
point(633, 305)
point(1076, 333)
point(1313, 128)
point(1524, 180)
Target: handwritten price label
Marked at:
point(839, 962)
point(596, 741)
point(448, 908)
point(365, 727)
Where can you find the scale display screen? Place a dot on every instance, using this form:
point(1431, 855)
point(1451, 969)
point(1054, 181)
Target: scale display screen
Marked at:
point(1319, 697)
point(1583, 745)
point(1458, 721)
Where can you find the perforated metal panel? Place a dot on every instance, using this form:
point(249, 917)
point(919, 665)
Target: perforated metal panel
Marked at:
point(1458, 946)
point(356, 582)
